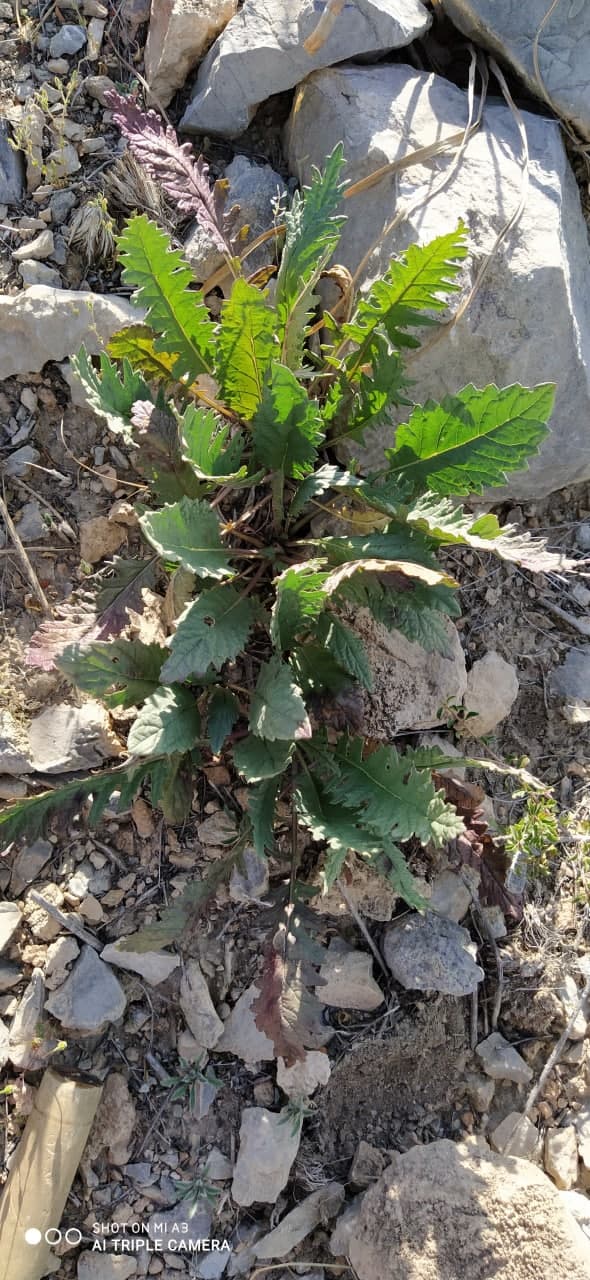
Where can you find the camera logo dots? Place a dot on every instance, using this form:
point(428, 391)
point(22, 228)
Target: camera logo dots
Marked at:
point(53, 1235)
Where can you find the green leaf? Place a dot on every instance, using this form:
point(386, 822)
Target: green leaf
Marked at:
point(222, 713)
point(354, 409)
point(168, 722)
point(110, 393)
point(326, 821)
point(392, 864)
point(287, 427)
point(161, 279)
point(445, 522)
point(422, 625)
point(392, 797)
point(188, 532)
point(277, 709)
point(258, 759)
point(346, 647)
point(312, 234)
point(210, 631)
point(319, 482)
point(172, 787)
point(135, 343)
point(472, 440)
point(299, 600)
point(31, 817)
point(397, 543)
point(415, 283)
point(262, 801)
point(100, 666)
point(245, 347)
point(158, 456)
point(317, 670)
point(207, 444)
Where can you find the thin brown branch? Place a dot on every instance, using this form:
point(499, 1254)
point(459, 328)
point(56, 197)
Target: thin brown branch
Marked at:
point(24, 559)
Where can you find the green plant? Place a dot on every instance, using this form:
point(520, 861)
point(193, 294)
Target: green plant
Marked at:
point(198, 1190)
point(185, 1085)
point(232, 426)
point(53, 113)
point(534, 839)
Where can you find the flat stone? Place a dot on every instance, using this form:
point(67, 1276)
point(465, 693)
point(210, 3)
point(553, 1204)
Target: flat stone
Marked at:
point(90, 998)
point(105, 1266)
point(305, 1076)
point(345, 1228)
point(30, 523)
point(41, 247)
point(579, 1207)
point(262, 52)
point(36, 274)
point(581, 1122)
point(368, 1165)
point(508, 334)
point(61, 204)
point(372, 895)
point(569, 995)
point(197, 1006)
point(268, 1145)
point(219, 1167)
point(180, 32)
point(18, 464)
point(15, 756)
point(10, 918)
point(12, 173)
point(410, 686)
point(65, 738)
point(561, 1156)
point(510, 30)
point(451, 897)
point(24, 1027)
point(44, 324)
point(154, 966)
point(516, 1136)
point(182, 1222)
point(60, 954)
point(100, 538)
point(480, 1091)
point(492, 690)
point(29, 863)
point(317, 1208)
point(255, 188)
point(347, 980)
point(572, 679)
point(10, 975)
point(240, 1033)
point(429, 953)
point(114, 1129)
point(68, 41)
point(501, 1060)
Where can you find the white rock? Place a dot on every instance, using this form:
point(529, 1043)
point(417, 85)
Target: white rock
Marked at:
point(15, 755)
point(68, 41)
point(581, 1122)
point(510, 29)
point(429, 953)
point(105, 1266)
point(387, 112)
point(60, 954)
point(63, 161)
point(410, 686)
point(451, 896)
point(347, 980)
point(44, 324)
point(304, 1077)
point(561, 1156)
point(24, 1027)
point(317, 1208)
point(4, 1044)
point(501, 1061)
point(197, 1006)
point(492, 689)
point(579, 1207)
point(180, 32)
point(255, 188)
point(65, 738)
point(37, 274)
point(10, 918)
point(42, 925)
point(241, 1035)
point(153, 966)
point(261, 52)
point(345, 1228)
point(516, 1136)
point(41, 247)
point(90, 998)
point(268, 1145)
point(219, 1167)
point(569, 995)
point(28, 864)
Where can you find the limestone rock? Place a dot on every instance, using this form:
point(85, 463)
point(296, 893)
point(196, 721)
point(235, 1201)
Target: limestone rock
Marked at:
point(68, 41)
point(4, 1044)
point(345, 1228)
point(372, 895)
point(561, 1156)
point(43, 925)
point(304, 1077)
point(429, 953)
point(579, 1207)
point(367, 1166)
point(10, 918)
point(186, 1222)
point(24, 1027)
point(60, 954)
point(44, 324)
point(65, 738)
point(41, 247)
point(28, 864)
point(268, 1146)
point(35, 273)
point(197, 1006)
point(571, 681)
point(509, 29)
point(501, 1061)
point(153, 966)
point(492, 689)
point(410, 686)
point(347, 979)
point(317, 1208)
point(90, 998)
point(241, 1035)
point(249, 878)
point(180, 32)
point(12, 178)
point(100, 538)
point(442, 1211)
point(569, 995)
point(261, 52)
point(115, 1122)
point(255, 188)
point(105, 1266)
point(516, 1136)
point(15, 756)
point(451, 896)
point(508, 334)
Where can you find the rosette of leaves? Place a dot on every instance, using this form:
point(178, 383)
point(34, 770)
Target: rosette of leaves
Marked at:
point(232, 424)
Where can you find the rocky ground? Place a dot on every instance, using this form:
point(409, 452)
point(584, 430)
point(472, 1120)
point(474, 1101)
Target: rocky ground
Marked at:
point(443, 1027)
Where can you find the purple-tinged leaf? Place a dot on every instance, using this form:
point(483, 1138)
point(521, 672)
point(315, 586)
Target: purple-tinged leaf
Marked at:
point(92, 618)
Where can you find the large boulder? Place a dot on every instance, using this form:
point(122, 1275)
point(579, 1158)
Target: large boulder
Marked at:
point(43, 324)
point(262, 52)
point(509, 333)
point(180, 33)
point(445, 1211)
point(513, 30)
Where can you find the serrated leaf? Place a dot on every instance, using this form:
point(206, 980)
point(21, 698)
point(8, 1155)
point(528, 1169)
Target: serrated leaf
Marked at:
point(168, 722)
point(208, 446)
point(158, 456)
point(188, 532)
point(317, 670)
point(319, 482)
point(392, 863)
point(393, 798)
point(136, 344)
point(287, 427)
point(402, 569)
point(277, 709)
point(422, 625)
point(346, 647)
point(82, 619)
point(312, 234)
point(245, 347)
point(446, 522)
point(356, 408)
point(399, 542)
point(172, 787)
point(261, 808)
point(31, 817)
point(472, 440)
point(210, 631)
point(285, 1010)
point(161, 278)
point(257, 758)
point(300, 598)
point(96, 668)
point(222, 712)
point(110, 393)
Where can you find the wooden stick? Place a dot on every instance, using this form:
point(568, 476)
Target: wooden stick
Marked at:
point(24, 559)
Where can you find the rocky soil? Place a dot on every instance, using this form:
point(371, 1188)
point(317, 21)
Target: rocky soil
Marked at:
point(415, 1113)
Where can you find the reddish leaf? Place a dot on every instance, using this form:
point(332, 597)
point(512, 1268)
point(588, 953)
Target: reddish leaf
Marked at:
point(286, 1010)
point(477, 847)
point(90, 618)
